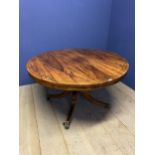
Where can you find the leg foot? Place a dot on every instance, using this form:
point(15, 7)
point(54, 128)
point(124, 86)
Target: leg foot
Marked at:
point(74, 95)
point(71, 110)
point(66, 124)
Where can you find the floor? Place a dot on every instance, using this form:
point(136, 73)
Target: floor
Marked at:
point(94, 131)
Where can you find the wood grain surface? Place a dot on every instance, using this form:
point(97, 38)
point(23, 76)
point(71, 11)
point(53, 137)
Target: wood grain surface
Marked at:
point(77, 69)
point(94, 131)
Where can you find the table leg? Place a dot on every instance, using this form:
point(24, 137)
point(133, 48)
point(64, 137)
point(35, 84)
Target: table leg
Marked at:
point(90, 98)
point(74, 97)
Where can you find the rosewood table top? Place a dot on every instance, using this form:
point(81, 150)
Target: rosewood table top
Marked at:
point(77, 69)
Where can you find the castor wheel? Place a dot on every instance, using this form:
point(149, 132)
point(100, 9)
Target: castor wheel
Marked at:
point(66, 124)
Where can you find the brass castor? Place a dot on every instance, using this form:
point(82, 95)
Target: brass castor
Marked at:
point(66, 124)
point(74, 95)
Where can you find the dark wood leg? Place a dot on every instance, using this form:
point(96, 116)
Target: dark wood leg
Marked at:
point(74, 95)
point(90, 98)
point(61, 95)
point(71, 110)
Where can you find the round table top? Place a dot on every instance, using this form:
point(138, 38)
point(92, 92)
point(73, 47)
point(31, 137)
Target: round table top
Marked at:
point(77, 69)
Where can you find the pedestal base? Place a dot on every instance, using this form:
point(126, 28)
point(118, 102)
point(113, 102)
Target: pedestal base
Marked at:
point(74, 96)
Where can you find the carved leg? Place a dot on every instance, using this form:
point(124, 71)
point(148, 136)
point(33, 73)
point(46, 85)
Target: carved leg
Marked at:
point(71, 110)
point(74, 94)
point(91, 99)
point(63, 94)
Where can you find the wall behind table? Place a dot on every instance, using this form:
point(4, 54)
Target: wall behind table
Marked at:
point(56, 24)
point(122, 34)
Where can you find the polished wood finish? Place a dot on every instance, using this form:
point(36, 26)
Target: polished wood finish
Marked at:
point(77, 69)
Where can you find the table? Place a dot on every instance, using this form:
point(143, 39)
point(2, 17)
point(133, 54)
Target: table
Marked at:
point(77, 72)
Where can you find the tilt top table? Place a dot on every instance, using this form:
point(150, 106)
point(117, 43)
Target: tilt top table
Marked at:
point(77, 72)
